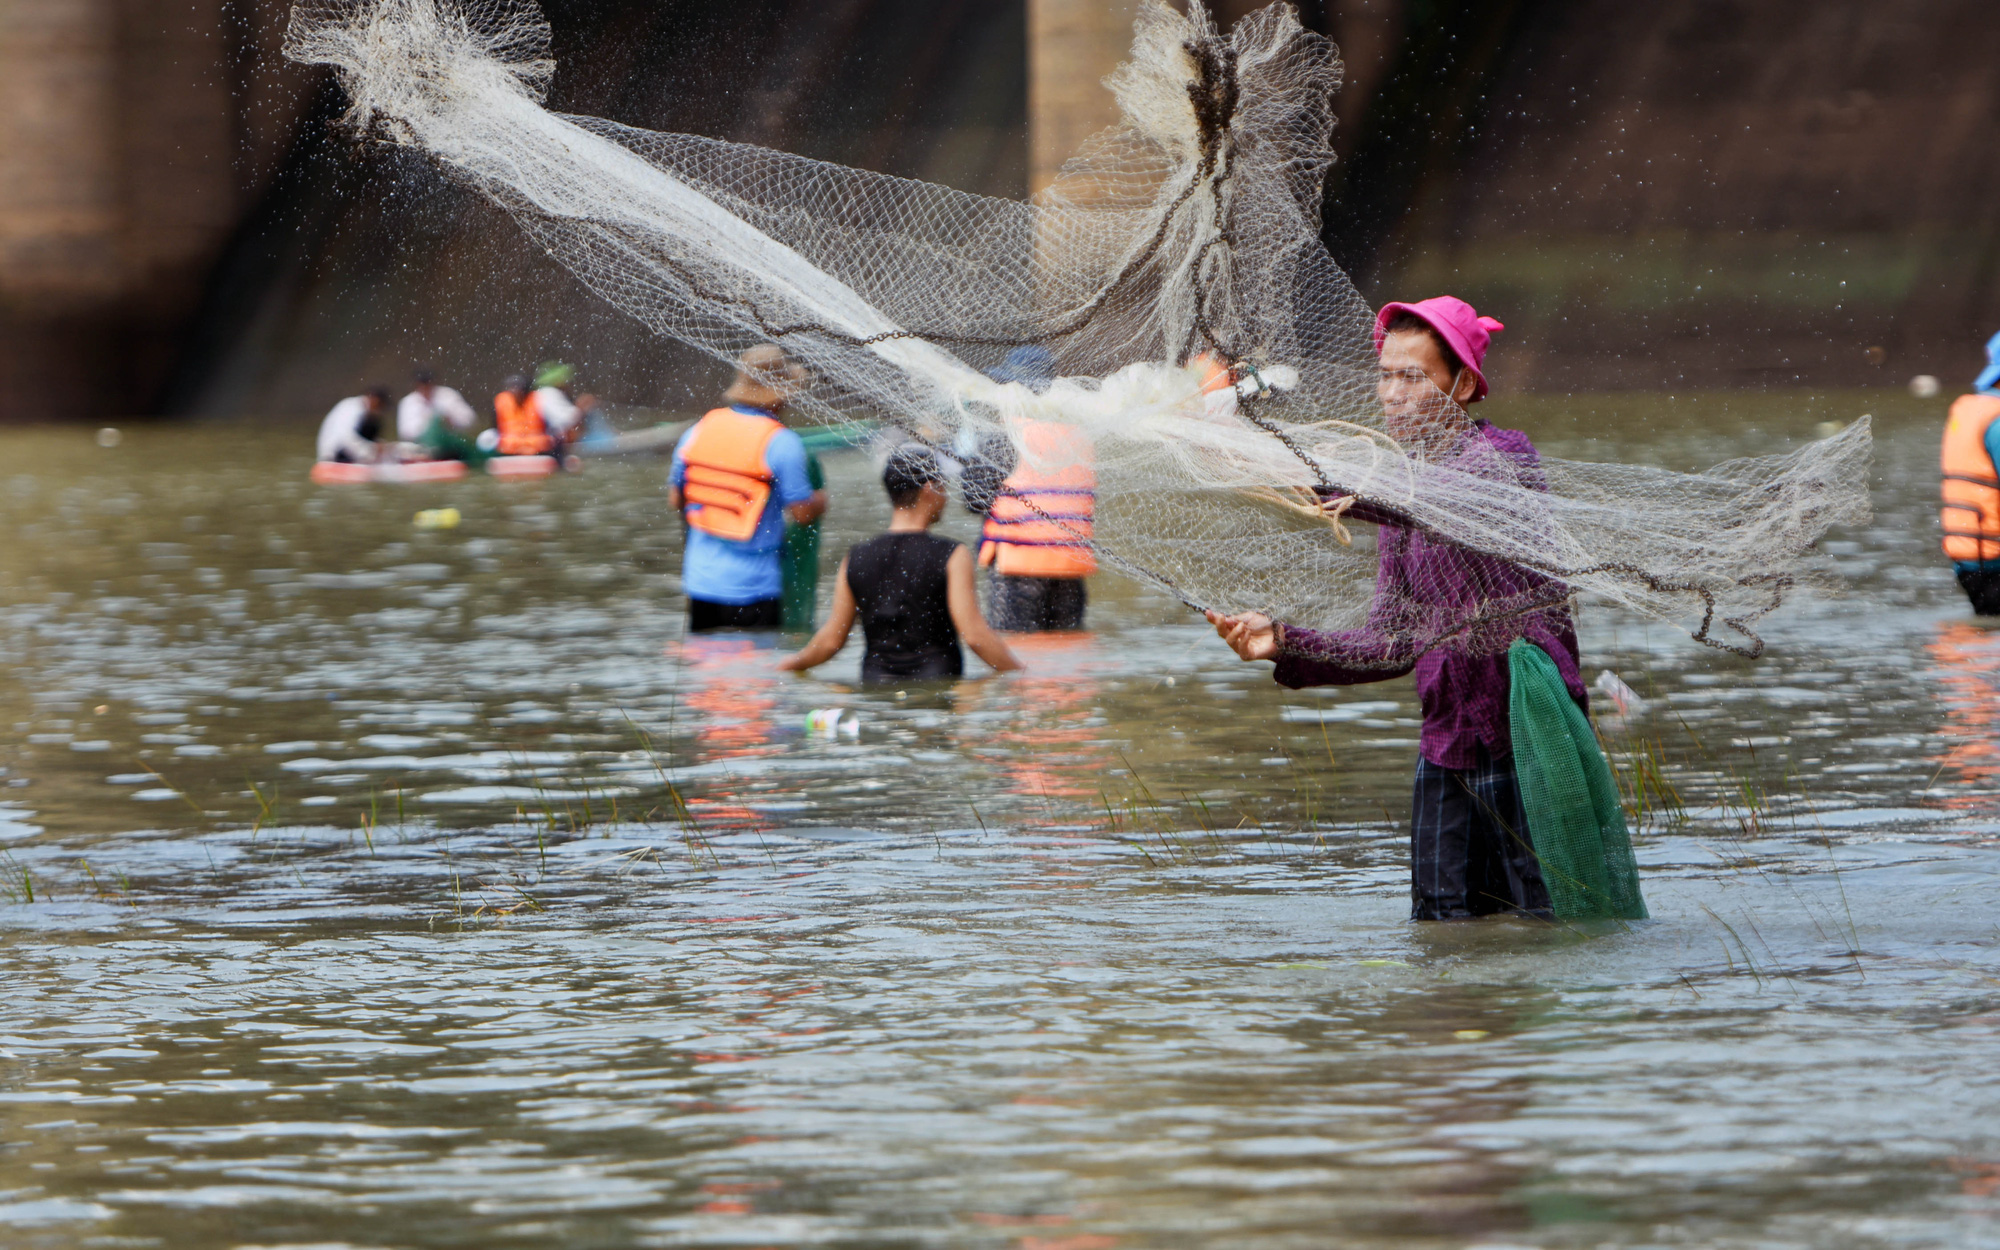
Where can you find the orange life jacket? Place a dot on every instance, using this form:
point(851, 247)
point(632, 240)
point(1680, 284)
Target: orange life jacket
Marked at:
point(1214, 374)
point(1971, 511)
point(726, 473)
point(1040, 522)
point(522, 431)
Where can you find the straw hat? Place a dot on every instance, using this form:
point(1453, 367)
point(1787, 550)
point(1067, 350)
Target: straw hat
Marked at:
point(764, 378)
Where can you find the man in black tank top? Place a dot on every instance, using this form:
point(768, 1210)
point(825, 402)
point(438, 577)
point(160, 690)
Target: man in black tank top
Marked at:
point(911, 590)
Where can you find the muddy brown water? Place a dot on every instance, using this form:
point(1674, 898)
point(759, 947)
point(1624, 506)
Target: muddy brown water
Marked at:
point(374, 886)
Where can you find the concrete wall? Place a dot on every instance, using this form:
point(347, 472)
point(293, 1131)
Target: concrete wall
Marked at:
point(371, 261)
point(1687, 193)
point(1728, 193)
point(1684, 194)
point(133, 135)
point(1072, 45)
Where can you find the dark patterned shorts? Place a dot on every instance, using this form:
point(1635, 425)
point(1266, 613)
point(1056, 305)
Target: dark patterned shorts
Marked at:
point(1024, 605)
point(1470, 853)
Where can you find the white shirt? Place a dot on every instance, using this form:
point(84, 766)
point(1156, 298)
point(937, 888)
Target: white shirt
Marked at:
point(413, 415)
point(558, 413)
point(341, 431)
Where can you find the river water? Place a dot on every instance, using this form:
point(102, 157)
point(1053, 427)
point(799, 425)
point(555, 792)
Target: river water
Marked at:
point(373, 886)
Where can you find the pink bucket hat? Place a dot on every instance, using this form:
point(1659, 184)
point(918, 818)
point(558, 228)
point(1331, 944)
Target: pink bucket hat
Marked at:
point(1457, 323)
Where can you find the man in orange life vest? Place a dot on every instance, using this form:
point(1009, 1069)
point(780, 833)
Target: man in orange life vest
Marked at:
point(738, 474)
point(1971, 463)
point(1039, 521)
point(541, 422)
point(515, 419)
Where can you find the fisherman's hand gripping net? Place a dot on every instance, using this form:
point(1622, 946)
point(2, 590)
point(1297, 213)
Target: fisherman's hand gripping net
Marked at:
point(1202, 340)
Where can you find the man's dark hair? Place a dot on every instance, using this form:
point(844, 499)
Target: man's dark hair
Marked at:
point(378, 393)
point(1407, 321)
point(423, 376)
point(911, 467)
point(515, 382)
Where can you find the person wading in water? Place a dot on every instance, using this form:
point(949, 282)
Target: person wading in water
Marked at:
point(1470, 851)
point(738, 475)
point(911, 590)
point(1970, 460)
point(1038, 521)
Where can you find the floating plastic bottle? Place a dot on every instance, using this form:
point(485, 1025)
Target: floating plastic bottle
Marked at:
point(833, 722)
point(438, 519)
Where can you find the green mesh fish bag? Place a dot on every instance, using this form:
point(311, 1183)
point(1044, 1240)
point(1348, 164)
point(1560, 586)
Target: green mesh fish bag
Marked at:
point(1574, 815)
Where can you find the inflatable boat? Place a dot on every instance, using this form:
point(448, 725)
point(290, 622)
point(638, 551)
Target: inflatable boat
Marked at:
point(335, 473)
point(525, 466)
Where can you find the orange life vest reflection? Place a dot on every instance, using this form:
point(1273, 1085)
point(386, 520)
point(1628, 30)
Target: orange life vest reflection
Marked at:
point(1049, 739)
point(733, 690)
point(1968, 660)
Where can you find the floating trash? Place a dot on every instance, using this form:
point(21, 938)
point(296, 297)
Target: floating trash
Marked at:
point(109, 437)
point(438, 519)
point(1924, 386)
point(833, 722)
point(1622, 696)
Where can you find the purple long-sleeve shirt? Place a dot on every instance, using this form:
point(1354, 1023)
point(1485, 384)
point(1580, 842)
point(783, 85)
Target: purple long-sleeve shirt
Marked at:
point(1447, 614)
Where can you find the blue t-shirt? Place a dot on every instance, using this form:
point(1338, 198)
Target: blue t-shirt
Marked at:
point(717, 570)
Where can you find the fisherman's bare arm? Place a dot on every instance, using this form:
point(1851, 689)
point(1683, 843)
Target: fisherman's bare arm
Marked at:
point(808, 510)
point(832, 636)
point(1308, 657)
point(963, 601)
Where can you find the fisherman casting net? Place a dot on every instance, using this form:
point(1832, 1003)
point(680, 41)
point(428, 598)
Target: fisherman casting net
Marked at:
point(1204, 350)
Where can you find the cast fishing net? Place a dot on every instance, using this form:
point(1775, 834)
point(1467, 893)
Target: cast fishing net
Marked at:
point(1203, 344)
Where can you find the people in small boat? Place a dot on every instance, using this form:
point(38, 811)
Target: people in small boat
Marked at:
point(437, 419)
point(517, 421)
point(351, 432)
point(1970, 461)
point(738, 476)
point(542, 420)
point(563, 414)
point(1038, 524)
point(911, 590)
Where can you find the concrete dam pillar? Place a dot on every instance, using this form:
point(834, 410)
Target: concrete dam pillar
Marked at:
point(1072, 45)
point(59, 205)
point(117, 139)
